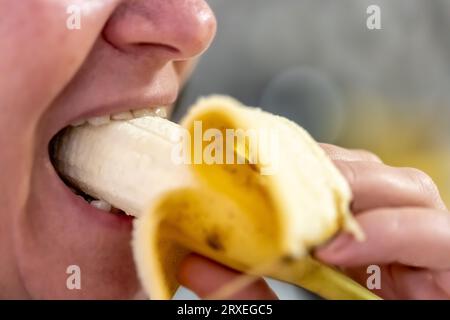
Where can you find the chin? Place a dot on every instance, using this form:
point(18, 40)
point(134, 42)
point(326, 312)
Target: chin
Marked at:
point(58, 230)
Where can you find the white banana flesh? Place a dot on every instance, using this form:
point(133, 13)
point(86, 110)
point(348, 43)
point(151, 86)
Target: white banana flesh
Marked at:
point(125, 163)
point(231, 213)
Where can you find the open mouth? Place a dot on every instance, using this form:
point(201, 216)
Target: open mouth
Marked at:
point(80, 192)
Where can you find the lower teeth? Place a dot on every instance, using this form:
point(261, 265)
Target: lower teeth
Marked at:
point(100, 204)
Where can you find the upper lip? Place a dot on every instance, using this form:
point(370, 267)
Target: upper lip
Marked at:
point(116, 107)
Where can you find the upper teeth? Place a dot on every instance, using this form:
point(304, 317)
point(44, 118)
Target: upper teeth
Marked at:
point(98, 121)
point(125, 115)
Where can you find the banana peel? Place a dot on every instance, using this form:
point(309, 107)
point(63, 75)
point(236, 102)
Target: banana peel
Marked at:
point(263, 224)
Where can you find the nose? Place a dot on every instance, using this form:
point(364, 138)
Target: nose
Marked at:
point(175, 29)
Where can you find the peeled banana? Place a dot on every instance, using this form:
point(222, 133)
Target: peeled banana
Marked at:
point(259, 216)
point(126, 163)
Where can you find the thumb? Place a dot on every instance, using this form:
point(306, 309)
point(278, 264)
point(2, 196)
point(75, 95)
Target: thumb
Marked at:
point(205, 277)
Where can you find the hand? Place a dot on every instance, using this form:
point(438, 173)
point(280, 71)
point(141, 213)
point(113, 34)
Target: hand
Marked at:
point(205, 277)
point(406, 224)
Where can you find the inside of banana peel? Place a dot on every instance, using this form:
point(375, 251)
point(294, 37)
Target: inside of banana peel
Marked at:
point(237, 217)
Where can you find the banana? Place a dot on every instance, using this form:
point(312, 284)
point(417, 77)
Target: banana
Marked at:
point(209, 186)
point(125, 163)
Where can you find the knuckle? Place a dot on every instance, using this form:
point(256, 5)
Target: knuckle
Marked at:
point(425, 183)
point(349, 170)
point(331, 151)
point(368, 156)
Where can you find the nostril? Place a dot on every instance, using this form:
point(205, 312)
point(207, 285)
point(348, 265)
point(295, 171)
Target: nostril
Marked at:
point(157, 52)
point(161, 46)
point(150, 49)
point(175, 30)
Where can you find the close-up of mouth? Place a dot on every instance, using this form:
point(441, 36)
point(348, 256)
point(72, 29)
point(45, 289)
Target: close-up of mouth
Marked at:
point(80, 198)
point(224, 150)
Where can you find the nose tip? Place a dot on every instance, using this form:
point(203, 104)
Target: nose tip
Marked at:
point(184, 27)
point(199, 29)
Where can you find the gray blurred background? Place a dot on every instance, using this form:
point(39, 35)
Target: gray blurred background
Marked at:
point(316, 62)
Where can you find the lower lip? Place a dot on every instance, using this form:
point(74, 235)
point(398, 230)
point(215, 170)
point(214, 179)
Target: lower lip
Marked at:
point(103, 218)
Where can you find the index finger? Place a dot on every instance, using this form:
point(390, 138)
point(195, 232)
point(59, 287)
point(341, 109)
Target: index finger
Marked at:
point(206, 277)
point(342, 154)
point(417, 237)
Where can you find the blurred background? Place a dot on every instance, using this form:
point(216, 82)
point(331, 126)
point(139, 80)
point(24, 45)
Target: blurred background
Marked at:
point(317, 63)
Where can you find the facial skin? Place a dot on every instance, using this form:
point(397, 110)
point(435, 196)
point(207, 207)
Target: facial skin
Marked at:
point(127, 55)
point(136, 53)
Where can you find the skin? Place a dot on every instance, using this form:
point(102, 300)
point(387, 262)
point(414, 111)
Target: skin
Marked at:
point(127, 54)
point(136, 53)
point(406, 224)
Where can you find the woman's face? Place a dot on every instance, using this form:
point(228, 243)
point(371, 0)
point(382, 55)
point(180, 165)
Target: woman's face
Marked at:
point(127, 54)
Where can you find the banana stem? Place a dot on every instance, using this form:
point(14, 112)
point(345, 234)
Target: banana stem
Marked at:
point(323, 281)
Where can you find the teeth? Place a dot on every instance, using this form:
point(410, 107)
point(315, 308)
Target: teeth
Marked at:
point(98, 121)
point(143, 113)
point(161, 112)
point(127, 115)
point(100, 204)
point(78, 123)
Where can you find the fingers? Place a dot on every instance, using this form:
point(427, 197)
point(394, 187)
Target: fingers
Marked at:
point(399, 282)
point(363, 275)
point(375, 185)
point(416, 237)
point(341, 154)
point(205, 277)
point(416, 284)
point(442, 280)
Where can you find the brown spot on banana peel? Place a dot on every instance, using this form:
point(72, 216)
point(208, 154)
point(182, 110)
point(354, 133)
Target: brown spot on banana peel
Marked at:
point(254, 168)
point(288, 259)
point(214, 241)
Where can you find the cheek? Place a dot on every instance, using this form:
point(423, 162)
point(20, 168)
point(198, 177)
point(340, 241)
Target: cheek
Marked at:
point(32, 75)
point(184, 69)
point(46, 251)
point(45, 55)
point(51, 237)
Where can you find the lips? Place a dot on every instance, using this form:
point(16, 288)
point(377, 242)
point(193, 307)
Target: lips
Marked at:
point(100, 205)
